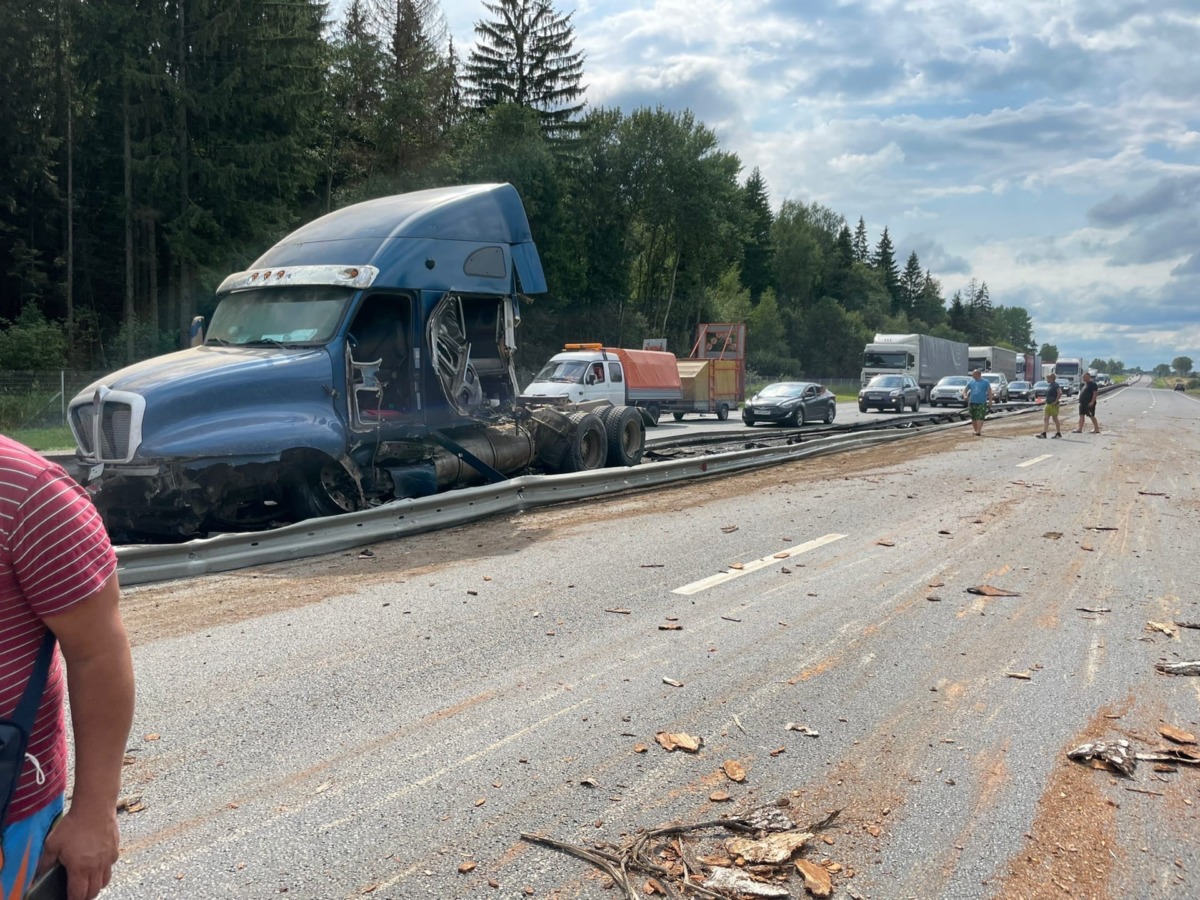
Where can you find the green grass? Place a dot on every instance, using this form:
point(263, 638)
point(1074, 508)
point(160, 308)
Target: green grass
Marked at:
point(44, 439)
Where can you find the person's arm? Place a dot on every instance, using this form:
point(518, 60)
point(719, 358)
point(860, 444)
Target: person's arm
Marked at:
point(94, 645)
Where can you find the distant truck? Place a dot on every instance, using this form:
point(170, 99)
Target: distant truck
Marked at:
point(1009, 363)
point(366, 357)
point(926, 358)
point(1068, 372)
point(1033, 368)
point(646, 379)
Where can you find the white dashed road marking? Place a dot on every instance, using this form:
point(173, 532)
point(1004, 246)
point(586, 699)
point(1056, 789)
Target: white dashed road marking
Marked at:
point(1035, 460)
point(778, 557)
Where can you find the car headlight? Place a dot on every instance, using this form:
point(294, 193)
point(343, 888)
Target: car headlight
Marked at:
point(895, 394)
point(862, 394)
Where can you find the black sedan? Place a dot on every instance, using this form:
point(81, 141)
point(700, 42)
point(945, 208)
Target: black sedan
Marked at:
point(1021, 390)
point(791, 403)
point(1040, 390)
point(890, 392)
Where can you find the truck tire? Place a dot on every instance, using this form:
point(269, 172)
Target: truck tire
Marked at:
point(323, 487)
point(654, 411)
point(723, 412)
point(587, 444)
point(626, 435)
point(678, 416)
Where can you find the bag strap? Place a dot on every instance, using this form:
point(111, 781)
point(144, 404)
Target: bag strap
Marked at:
point(27, 709)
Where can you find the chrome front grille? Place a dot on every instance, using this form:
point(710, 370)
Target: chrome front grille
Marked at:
point(116, 420)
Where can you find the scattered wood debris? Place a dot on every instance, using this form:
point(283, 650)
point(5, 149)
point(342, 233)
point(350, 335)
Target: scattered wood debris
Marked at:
point(756, 861)
point(679, 740)
point(672, 682)
point(1023, 676)
point(1176, 735)
point(734, 770)
point(1116, 754)
point(1168, 630)
point(1094, 609)
point(1187, 624)
point(729, 529)
point(620, 610)
point(803, 729)
point(987, 590)
point(886, 543)
point(1179, 668)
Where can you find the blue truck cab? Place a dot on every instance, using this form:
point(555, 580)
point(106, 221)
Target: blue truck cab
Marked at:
point(368, 356)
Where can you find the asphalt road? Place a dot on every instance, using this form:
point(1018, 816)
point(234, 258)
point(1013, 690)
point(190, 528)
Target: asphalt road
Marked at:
point(370, 724)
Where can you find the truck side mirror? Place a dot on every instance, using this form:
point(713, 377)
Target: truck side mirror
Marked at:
point(196, 332)
point(589, 378)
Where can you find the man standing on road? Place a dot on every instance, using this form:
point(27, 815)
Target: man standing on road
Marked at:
point(1053, 396)
point(978, 394)
point(58, 574)
point(1087, 404)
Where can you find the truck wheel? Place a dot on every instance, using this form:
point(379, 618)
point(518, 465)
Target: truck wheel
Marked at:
point(626, 435)
point(723, 412)
point(587, 444)
point(677, 416)
point(324, 488)
point(655, 413)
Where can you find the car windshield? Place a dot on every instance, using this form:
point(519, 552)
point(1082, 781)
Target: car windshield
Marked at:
point(886, 381)
point(994, 379)
point(953, 381)
point(566, 371)
point(782, 389)
point(1019, 385)
point(297, 314)
point(1041, 384)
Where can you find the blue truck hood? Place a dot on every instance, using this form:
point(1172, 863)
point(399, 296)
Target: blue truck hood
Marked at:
point(231, 401)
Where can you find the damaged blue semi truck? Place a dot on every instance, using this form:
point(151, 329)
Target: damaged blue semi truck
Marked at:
point(366, 357)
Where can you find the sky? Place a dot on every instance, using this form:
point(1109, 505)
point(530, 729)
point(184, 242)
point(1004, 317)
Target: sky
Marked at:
point(1048, 147)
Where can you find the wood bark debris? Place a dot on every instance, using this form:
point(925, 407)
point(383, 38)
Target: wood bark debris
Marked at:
point(1179, 668)
point(987, 590)
point(667, 856)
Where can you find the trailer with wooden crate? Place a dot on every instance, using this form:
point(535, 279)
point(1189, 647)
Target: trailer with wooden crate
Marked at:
point(713, 377)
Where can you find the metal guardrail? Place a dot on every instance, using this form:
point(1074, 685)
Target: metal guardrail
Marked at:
point(146, 564)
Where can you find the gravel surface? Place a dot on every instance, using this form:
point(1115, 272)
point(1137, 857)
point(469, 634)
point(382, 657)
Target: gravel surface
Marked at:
point(367, 724)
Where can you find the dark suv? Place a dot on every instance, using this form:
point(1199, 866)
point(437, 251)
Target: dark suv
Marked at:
point(890, 392)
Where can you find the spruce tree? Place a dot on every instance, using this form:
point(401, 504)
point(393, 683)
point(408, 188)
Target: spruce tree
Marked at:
point(884, 262)
point(757, 251)
point(911, 283)
point(862, 249)
point(525, 56)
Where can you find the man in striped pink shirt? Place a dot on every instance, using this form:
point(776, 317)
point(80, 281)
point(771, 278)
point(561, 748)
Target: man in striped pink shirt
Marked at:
point(58, 572)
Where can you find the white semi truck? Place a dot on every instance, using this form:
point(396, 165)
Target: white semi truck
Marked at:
point(926, 358)
point(1009, 363)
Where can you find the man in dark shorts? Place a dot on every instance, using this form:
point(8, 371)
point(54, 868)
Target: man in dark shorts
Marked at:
point(1053, 396)
point(1087, 403)
point(977, 393)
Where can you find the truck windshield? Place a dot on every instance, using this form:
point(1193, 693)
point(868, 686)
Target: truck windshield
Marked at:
point(1066, 368)
point(297, 314)
point(567, 371)
point(881, 360)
